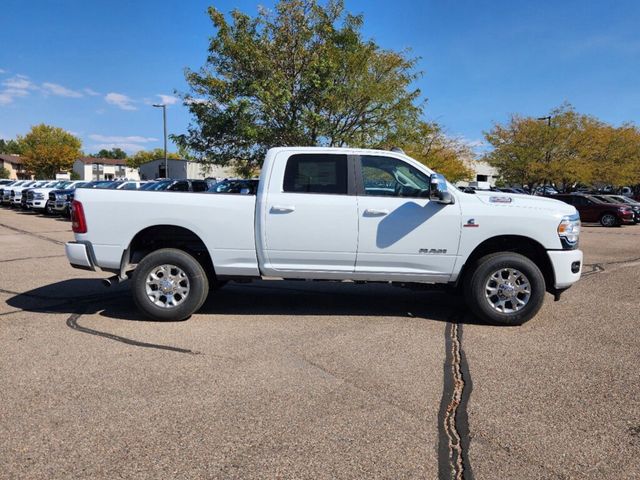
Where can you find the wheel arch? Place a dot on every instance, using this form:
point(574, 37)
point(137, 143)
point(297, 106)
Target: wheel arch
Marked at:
point(523, 245)
point(155, 237)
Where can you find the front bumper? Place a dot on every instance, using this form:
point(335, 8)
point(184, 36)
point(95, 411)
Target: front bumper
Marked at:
point(567, 267)
point(78, 255)
point(38, 204)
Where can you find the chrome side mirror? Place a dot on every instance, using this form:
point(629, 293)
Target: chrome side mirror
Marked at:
point(438, 191)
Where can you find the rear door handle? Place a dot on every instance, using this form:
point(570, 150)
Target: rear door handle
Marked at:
point(282, 208)
point(372, 212)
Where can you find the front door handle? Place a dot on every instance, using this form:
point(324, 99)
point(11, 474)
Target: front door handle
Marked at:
point(373, 212)
point(282, 208)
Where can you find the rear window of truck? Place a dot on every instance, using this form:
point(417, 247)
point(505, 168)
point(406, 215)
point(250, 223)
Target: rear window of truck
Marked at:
point(316, 173)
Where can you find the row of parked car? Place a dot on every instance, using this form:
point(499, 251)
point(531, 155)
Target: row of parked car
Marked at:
point(608, 208)
point(55, 196)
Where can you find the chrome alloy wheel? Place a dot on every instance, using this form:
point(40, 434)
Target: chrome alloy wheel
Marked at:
point(167, 286)
point(508, 290)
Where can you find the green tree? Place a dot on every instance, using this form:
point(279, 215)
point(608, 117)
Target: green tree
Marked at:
point(49, 150)
point(145, 156)
point(4, 173)
point(428, 143)
point(570, 148)
point(116, 153)
point(303, 75)
point(10, 147)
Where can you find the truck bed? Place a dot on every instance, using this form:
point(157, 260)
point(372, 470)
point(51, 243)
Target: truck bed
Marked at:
point(224, 223)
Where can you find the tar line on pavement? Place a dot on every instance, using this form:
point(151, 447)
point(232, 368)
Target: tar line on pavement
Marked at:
point(72, 322)
point(453, 421)
point(32, 234)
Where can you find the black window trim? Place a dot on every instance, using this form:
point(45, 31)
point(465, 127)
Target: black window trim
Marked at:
point(351, 175)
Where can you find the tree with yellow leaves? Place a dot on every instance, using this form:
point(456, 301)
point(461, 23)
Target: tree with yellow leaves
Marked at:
point(49, 150)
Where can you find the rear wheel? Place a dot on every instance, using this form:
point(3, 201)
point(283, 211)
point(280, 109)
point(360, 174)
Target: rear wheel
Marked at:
point(505, 288)
point(609, 220)
point(169, 284)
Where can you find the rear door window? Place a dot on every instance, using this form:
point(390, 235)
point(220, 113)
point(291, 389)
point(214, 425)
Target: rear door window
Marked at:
point(316, 173)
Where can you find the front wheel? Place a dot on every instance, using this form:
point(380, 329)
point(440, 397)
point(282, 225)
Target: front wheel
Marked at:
point(505, 288)
point(169, 284)
point(48, 209)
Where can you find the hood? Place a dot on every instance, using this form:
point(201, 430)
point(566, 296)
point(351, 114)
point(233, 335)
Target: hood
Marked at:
point(41, 189)
point(515, 200)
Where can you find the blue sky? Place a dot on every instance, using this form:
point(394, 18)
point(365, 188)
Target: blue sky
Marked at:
point(95, 67)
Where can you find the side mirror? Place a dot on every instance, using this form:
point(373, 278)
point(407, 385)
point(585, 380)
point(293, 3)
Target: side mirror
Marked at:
point(438, 191)
point(245, 191)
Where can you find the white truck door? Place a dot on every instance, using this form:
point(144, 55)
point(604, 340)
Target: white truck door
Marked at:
point(310, 219)
point(403, 235)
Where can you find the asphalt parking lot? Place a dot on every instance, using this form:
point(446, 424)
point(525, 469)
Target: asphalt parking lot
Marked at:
point(313, 380)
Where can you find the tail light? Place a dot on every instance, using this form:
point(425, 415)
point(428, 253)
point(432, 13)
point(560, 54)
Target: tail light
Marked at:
point(78, 222)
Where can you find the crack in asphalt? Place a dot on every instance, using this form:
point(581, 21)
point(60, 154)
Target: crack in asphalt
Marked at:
point(453, 423)
point(72, 322)
point(30, 258)
point(600, 266)
point(32, 234)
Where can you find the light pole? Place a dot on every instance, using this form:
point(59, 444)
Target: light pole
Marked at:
point(164, 123)
point(547, 118)
point(547, 153)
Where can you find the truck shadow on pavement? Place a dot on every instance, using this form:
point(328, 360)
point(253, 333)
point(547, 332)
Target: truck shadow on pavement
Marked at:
point(259, 298)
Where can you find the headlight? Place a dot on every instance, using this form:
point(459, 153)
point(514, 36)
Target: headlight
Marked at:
point(569, 231)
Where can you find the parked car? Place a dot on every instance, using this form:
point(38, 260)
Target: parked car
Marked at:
point(609, 199)
point(241, 186)
point(97, 184)
point(546, 190)
point(15, 193)
point(311, 219)
point(621, 199)
point(593, 210)
point(25, 193)
point(176, 186)
point(5, 190)
point(127, 185)
point(37, 197)
point(60, 200)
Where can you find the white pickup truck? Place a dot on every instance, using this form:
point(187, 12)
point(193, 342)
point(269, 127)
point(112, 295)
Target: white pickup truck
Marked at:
point(332, 214)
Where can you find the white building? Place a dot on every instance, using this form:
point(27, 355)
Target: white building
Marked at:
point(181, 169)
point(90, 168)
point(484, 174)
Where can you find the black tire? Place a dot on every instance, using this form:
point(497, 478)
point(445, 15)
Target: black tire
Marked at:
point(477, 280)
point(47, 209)
point(609, 219)
point(198, 285)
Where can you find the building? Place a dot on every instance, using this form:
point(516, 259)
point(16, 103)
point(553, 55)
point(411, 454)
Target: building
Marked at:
point(484, 174)
point(14, 164)
point(90, 168)
point(180, 169)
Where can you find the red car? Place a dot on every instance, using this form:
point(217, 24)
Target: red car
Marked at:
point(593, 210)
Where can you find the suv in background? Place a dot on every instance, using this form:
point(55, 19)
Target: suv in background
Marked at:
point(593, 210)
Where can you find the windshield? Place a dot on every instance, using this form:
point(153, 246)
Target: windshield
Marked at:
point(159, 186)
point(148, 186)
